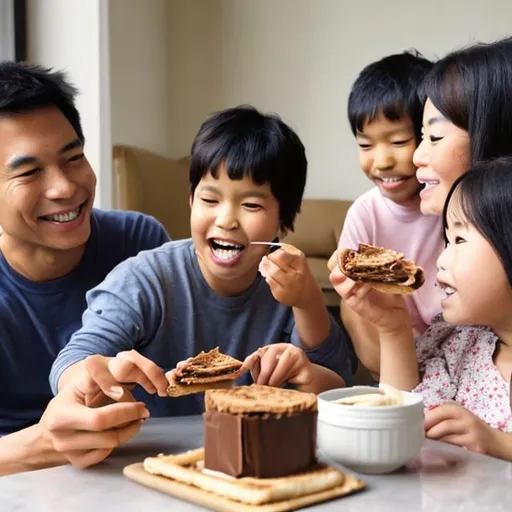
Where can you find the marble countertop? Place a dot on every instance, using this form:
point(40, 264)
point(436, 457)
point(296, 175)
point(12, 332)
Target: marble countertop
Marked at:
point(444, 478)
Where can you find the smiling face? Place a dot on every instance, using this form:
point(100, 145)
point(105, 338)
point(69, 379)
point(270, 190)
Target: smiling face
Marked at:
point(385, 155)
point(471, 274)
point(46, 183)
point(442, 156)
point(226, 216)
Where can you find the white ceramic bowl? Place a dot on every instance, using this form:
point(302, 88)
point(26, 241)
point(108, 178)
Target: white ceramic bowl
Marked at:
point(369, 439)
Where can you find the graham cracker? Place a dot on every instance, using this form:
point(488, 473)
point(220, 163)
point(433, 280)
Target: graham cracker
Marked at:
point(181, 476)
point(369, 256)
point(395, 289)
point(206, 370)
point(258, 399)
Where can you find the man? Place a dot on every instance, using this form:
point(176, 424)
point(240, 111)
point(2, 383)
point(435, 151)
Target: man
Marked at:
point(53, 249)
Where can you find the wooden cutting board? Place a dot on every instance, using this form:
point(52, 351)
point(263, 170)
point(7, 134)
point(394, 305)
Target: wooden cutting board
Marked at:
point(212, 501)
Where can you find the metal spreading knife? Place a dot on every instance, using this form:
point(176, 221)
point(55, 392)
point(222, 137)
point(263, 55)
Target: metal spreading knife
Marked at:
point(286, 247)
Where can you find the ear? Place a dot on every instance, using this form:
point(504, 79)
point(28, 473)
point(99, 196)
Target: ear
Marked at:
point(190, 200)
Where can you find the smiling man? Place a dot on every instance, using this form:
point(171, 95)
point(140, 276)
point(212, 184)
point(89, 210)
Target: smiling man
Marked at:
point(53, 249)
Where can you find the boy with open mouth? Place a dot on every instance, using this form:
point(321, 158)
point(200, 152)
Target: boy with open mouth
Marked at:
point(247, 178)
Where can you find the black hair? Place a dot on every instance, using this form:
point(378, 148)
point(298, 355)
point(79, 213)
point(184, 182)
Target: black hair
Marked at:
point(25, 87)
point(484, 195)
point(389, 85)
point(471, 88)
point(256, 145)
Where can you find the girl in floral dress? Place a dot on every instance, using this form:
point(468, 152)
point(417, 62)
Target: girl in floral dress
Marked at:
point(462, 364)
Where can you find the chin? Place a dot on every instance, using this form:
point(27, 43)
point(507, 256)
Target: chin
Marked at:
point(70, 243)
point(456, 318)
point(431, 208)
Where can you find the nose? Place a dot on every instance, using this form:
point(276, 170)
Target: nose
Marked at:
point(59, 185)
point(383, 158)
point(443, 260)
point(419, 157)
point(227, 218)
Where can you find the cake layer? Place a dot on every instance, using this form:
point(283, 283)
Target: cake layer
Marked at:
point(261, 446)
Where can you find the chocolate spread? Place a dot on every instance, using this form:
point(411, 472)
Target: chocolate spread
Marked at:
point(261, 446)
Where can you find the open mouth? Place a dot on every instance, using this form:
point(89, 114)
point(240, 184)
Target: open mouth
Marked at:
point(447, 290)
point(428, 183)
point(225, 250)
point(392, 182)
point(63, 218)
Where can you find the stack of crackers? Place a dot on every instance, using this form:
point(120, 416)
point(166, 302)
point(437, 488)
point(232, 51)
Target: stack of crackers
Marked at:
point(243, 413)
point(183, 477)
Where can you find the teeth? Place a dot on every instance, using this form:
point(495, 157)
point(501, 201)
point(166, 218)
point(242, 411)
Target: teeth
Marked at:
point(392, 180)
point(227, 244)
point(224, 254)
point(448, 290)
point(66, 217)
point(429, 183)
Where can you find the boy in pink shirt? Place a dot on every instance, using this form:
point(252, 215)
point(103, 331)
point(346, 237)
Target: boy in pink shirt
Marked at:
point(385, 115)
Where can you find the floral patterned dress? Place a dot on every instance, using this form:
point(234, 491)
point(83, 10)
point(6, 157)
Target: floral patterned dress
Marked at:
point(456, 363)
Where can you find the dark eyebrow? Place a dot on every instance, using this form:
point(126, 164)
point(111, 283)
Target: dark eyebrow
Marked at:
point(208, 188)
point(77, 143)
point(21, 161)
point(390, 133)
point(250, 193)
point(456, 222)
point(256, 193)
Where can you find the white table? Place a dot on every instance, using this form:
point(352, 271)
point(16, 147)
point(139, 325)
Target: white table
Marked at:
point(474, 483)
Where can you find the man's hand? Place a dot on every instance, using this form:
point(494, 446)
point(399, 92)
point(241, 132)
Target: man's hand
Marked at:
point(454, 424)
point(130, 367)
point(277, 364)
point(82, 423)
point(386, 311)
point(289, 277)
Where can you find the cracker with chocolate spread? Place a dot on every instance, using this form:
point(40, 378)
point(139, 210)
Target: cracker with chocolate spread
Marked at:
point(207, 370)
point(385, 270)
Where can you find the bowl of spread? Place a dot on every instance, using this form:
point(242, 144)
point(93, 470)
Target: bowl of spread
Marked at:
point(368, 429)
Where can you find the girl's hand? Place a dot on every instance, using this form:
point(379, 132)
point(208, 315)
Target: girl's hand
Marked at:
point(386, 311)
point(452, 423)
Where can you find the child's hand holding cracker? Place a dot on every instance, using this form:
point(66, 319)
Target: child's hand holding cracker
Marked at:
point(386, 311)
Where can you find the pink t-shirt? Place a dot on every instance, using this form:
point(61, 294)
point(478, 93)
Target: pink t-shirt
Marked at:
point(376, 220)
point(456, 363)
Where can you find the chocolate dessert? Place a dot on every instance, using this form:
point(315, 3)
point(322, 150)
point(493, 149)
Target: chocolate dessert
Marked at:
point(386, 270)
point(207, 370)
point(259, 431)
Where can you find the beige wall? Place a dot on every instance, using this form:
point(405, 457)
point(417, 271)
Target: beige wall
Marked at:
point(299, 58)
point(72, 35)
point(175, 61)
point(139, 76)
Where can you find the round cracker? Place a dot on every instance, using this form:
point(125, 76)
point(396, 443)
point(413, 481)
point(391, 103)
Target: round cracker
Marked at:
point(258, 399)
